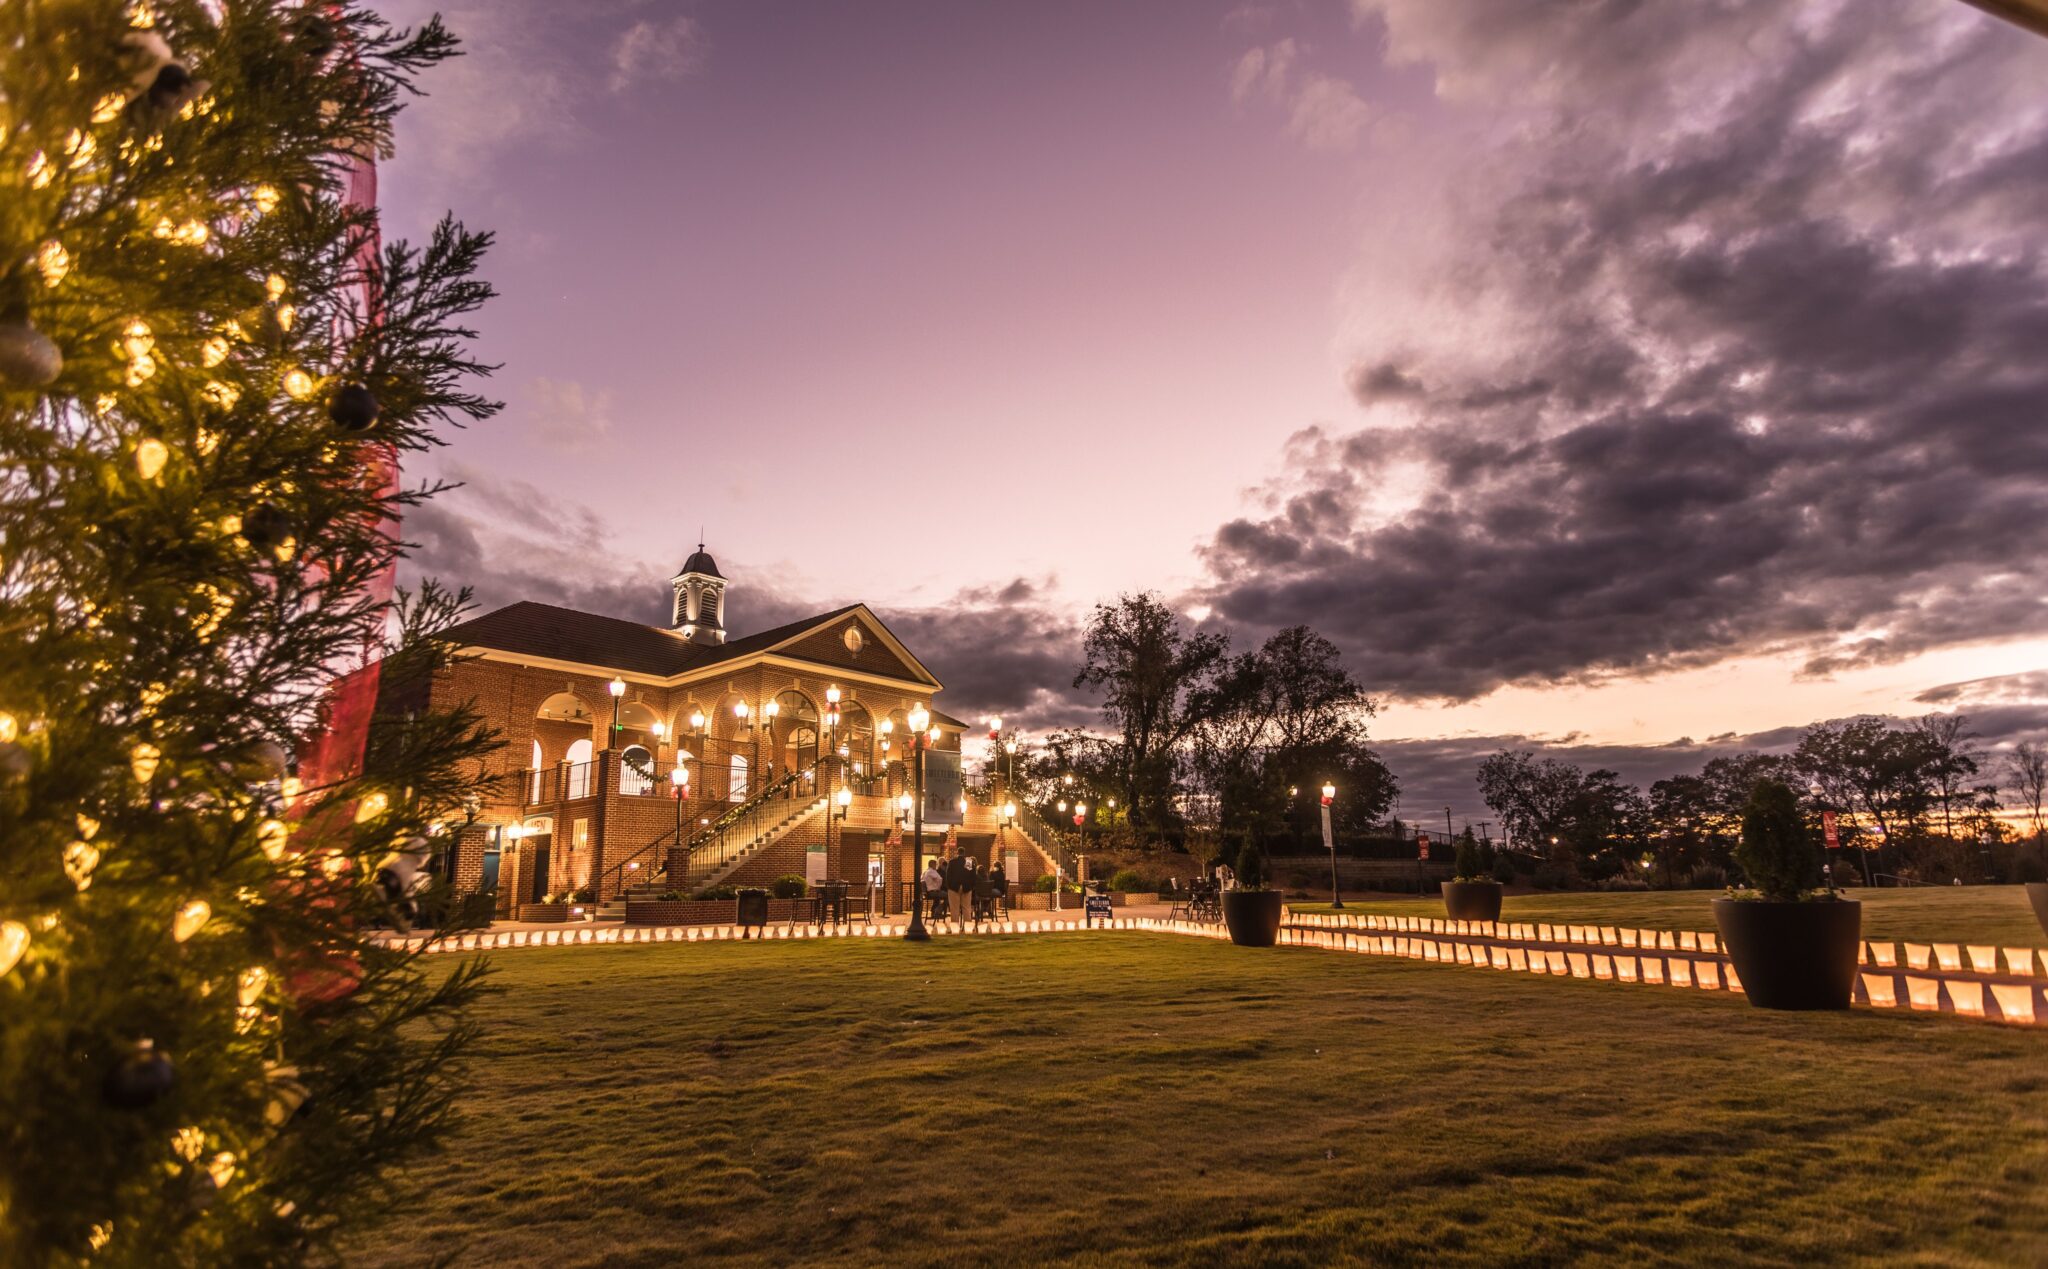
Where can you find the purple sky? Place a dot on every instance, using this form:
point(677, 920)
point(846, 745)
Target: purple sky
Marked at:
point(1614, 375)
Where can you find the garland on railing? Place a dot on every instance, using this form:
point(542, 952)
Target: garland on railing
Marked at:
point(746, 808)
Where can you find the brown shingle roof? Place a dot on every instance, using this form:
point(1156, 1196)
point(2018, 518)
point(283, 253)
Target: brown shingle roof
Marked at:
point(563, 634)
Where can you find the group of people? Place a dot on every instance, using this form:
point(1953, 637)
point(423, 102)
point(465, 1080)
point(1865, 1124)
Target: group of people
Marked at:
point(962, 889)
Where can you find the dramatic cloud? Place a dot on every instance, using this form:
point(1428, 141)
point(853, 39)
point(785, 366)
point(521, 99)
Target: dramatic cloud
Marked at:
point(1727, 343)
point(657, 49)
point(567, 414)
point(1323, 111)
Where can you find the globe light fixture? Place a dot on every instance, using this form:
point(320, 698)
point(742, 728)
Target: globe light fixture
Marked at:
point(617, 687)
point(696, 720)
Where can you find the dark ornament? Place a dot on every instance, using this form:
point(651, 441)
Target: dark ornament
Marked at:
point(354, 408)
point(313, 36)
point(266, 527)
point(171, 89)
point(14, 763)
point(140, 1080)
point(27, 357)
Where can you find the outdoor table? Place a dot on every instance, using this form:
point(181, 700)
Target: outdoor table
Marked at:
point(814, 904)
point(832, 897)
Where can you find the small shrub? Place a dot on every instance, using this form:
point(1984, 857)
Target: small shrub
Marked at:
point(788, 886)
point(1125, 880)
point(1629, 884)
point(671, 896)
point(1707, 877)
point(1503, 869)
point(1251, 867)
point(719, 892)
point(1473, 860)
point(1046, 883)
point(1549, 876)
point(1776, 850)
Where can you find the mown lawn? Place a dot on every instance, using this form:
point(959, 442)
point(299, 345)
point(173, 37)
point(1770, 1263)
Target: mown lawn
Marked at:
point(1925, 914)
point(1141, 1098)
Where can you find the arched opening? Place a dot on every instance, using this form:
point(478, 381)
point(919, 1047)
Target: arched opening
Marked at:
point(534, 774)
point(736, 790)
point(857, 738)
point(795, 730)
point(636, 725)
point(578, 758)
point(636, 771)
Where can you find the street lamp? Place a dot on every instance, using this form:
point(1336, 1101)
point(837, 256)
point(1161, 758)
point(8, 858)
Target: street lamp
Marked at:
point(617, 687)
point(1330, 844)
point(1009, 815)
point(919, 719)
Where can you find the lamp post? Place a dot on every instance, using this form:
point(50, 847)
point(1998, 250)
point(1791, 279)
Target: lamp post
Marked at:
point(1330, 843)
point(679, 786)
point(920, 739)
point(617, 687)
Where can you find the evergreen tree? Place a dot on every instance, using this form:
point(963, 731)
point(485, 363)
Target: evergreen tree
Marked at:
point(207, 370)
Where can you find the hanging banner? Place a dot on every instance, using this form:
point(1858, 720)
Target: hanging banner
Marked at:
point(942, 787)
point(1829, 830)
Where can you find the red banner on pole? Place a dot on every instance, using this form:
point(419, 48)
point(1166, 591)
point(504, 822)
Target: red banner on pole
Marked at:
point(1830, 831)
point(1422, 845)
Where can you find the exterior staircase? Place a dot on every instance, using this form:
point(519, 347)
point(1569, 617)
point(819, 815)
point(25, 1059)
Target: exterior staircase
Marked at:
point(708, 867)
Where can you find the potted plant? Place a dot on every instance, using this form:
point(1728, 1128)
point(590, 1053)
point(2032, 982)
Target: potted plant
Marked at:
point(1793, 943)
point(1251, 911)
point(1473, 894)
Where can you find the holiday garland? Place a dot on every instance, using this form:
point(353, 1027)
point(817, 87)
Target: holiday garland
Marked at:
point(207, 364)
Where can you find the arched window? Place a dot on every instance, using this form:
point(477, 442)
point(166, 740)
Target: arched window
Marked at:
point(578, 759)
point(857, 733)
point(636, 771)
point(533, 775)
point(737, 787)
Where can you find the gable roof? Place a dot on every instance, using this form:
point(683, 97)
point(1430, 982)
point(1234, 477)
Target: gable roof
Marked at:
point(528, 628)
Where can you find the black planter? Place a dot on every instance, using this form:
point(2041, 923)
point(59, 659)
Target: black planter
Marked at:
point(1472, 900)
point(1253, 916)
point(1793, 955)
point(2037, 894)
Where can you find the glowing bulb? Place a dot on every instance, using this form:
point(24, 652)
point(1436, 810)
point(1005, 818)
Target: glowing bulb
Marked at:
point(286, 315)
point(696, 720)
point(265, 197)
point(617, 687)
point(10, 727)
point(221, 1169)
point(223, 395)
point(1010, 810)
point(213, 352)
point(844, 796)
point(150, 457)
point(80, 858)
point(272, 835)
point(142, 762)
point(373, 804)
point(904, 802)
point(831, 696)
point(53, 262)
point(274, 286)
point(298, 384)
point(771, 709)
point(249, 987)
point(920, 718)
point(191, 234)
point(87, 826)
point(190, 919)
point(136, 338)
point(141, 370)
point(739, 709)
point(13, 942)
point(888, 725)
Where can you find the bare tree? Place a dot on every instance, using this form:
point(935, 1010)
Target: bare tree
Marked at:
point(2028, 767)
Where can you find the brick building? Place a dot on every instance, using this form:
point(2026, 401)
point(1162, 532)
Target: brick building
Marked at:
point(645, 758)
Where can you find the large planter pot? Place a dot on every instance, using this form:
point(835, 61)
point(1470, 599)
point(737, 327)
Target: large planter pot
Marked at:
point(1472, 900)
point(2037, 894)
point(1793, 955)
point(1253, 916)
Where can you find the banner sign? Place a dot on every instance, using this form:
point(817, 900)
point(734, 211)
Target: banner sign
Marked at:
point(942, 787)
point(1097, 905)
point(1828, 829)
point(1422, 845)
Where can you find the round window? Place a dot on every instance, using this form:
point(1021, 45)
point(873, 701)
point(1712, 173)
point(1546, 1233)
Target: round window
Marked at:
point(853, 638)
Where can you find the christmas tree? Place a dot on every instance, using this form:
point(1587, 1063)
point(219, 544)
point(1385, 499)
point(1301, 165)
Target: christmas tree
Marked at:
point(209, 367)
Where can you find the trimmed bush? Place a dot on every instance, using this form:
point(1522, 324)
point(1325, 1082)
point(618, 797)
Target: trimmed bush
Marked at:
point(1046, 883)
point(1251, 867)
point(1126, 880)
point(718, 892)
point(1473, 860)
point(1503, 869)
point(1776, 850)
point(788, 886)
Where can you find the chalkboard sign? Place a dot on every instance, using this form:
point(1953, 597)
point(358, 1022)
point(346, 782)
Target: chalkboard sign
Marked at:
point(1096, 905)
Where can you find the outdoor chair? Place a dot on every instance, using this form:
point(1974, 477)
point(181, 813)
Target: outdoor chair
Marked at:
point(984, 899)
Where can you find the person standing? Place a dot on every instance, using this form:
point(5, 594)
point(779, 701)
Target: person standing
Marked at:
point(999, 886)
point(934, 883)
point(959, 887)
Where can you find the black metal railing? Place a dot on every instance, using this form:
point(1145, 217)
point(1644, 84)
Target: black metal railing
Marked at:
point(563, 782)
point(735, 832)
point(614, 880)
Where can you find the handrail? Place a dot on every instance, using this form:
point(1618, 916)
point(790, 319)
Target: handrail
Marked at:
point(741, 826)
point(620, 867)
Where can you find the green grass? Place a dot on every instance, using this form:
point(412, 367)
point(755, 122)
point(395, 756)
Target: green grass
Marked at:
point(1138, 1098)
point(1930, 914)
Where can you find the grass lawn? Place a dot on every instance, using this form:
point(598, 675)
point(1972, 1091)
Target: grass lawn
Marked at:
point(1146, 1099)
point(1922, 914)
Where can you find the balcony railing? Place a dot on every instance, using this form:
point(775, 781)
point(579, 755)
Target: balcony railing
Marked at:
point(563, 782)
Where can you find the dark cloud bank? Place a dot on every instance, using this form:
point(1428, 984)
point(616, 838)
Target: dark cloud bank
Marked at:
point(1734, 344)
